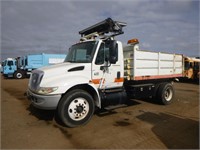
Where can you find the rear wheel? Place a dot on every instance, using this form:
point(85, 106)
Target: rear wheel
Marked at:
point(76, 108)
point(165, 93)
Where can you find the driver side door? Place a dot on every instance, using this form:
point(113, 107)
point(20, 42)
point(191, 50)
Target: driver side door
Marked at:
point(103, 75)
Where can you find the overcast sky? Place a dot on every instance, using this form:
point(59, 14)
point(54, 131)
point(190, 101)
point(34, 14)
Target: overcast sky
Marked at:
point(36, 26)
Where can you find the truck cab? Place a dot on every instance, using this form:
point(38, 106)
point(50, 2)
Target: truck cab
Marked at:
point(9, 67)
point(89, 64)
point(13, 67)
point(105, 67)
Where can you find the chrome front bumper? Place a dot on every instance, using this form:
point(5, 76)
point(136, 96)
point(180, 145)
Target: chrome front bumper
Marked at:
point(47, 102)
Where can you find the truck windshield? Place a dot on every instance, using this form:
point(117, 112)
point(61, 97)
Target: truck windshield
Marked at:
point(10, 63)
point(81, 52)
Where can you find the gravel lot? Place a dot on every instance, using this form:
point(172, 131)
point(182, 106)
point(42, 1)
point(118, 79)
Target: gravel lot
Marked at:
point(141, 125)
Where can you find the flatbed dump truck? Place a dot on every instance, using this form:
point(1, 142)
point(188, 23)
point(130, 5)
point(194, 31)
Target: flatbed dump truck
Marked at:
point(99, 72)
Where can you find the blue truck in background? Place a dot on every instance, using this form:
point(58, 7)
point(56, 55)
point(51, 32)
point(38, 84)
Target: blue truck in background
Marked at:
point(21, 67)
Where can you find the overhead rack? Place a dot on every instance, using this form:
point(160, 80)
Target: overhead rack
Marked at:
point(104, 27)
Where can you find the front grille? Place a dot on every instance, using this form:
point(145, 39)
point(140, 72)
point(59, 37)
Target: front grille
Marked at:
point(35, 80)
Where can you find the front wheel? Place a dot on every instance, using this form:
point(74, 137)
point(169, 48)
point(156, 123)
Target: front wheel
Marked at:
point(76, 108)
point(19, 74)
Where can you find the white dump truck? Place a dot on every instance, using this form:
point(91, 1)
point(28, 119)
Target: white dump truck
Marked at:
point(99, 72)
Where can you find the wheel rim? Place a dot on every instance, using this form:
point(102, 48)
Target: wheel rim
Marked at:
point(168, 94)
point(78, 109)
point(19, 75)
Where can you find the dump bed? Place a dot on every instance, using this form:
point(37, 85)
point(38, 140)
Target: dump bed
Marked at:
point(39, 60)
point(144, 65)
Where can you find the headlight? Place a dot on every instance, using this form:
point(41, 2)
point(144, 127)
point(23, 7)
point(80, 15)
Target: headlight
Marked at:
point(47, 90)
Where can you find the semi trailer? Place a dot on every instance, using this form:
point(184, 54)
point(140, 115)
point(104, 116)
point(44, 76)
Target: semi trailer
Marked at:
point(99, 72)
point(21, 67)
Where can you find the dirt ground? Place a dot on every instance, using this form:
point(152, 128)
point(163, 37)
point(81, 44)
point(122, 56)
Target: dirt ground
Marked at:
point(142, 125)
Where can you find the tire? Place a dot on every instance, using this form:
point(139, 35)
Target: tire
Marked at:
point(19, 74)
point(165, 94)
point(76, 108)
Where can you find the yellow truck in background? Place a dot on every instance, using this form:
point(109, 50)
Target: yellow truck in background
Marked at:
point(191, 70)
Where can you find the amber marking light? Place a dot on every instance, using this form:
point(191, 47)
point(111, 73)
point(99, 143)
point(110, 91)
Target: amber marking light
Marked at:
point(133, 41)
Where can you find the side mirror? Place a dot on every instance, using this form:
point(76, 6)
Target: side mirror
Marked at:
point(113, 49)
